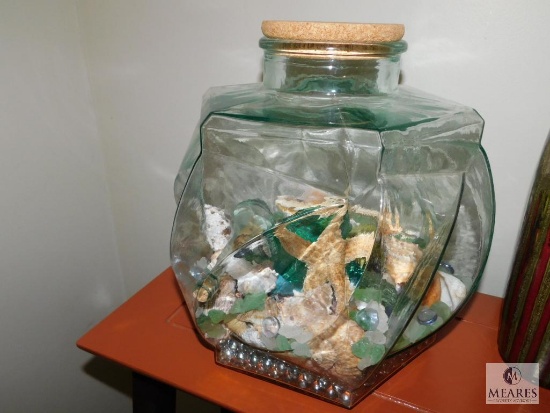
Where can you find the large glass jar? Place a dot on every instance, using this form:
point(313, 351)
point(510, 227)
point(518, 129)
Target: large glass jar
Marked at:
point(329, 219)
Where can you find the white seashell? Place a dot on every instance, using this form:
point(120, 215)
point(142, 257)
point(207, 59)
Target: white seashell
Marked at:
point(305, 316)
point(213, 260)
point(237, 267)
point(453, 291)
point(217, 227)
point(252, 336)
point(257, 281)
point(226, 296)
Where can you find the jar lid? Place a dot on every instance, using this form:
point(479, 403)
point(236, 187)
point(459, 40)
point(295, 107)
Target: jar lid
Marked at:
point(332, 32)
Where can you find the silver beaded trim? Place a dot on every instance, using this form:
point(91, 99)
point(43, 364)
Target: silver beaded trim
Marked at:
point(239, 356)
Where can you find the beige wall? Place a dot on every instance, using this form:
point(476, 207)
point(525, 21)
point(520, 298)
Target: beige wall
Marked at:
point(150, 62)
point(59, 266)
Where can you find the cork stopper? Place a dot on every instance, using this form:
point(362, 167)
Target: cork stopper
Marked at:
point(332, 32)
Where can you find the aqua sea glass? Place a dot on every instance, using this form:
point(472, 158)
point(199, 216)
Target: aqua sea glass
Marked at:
point(330, 220)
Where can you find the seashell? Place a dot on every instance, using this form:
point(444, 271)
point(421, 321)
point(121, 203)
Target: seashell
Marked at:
point(237, 267)
point(247, 332)
point(390, 223)
point(433, 295)
point(257, 281)
point(206, 289)
point(453, 291)
point(226, 295)
point(217, 227)
point(213, 259)
point(299, 317)
point(401, 258)
point(311, 312)
point(249, 327)
point(333, 352)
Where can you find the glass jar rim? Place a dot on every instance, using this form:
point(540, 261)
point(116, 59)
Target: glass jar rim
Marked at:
point(339, 50)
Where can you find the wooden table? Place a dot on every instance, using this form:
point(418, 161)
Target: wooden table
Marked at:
point(152, 334)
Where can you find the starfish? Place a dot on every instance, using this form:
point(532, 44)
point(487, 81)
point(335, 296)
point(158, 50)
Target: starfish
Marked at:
point(326, 258)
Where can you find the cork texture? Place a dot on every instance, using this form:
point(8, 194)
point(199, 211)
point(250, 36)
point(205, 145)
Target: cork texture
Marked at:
point(332, 32)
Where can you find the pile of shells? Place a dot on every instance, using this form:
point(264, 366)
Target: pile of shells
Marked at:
point(297, 281)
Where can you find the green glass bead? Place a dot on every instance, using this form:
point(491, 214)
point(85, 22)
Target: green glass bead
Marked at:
point(367, 318)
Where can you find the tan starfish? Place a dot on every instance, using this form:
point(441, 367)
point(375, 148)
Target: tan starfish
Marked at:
point(326, 258)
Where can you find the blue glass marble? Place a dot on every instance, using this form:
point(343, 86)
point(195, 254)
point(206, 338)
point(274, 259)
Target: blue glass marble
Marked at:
point(426, 316)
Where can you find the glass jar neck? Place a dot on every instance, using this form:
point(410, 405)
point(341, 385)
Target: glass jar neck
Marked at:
point(331, 69)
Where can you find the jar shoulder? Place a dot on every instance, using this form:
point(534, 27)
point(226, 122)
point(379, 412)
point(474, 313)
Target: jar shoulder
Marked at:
point(399, 111)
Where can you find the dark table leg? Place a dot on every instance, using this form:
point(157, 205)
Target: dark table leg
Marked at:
point(152, 396)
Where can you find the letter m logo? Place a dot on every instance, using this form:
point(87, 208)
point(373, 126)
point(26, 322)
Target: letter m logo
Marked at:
point(512, 375)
